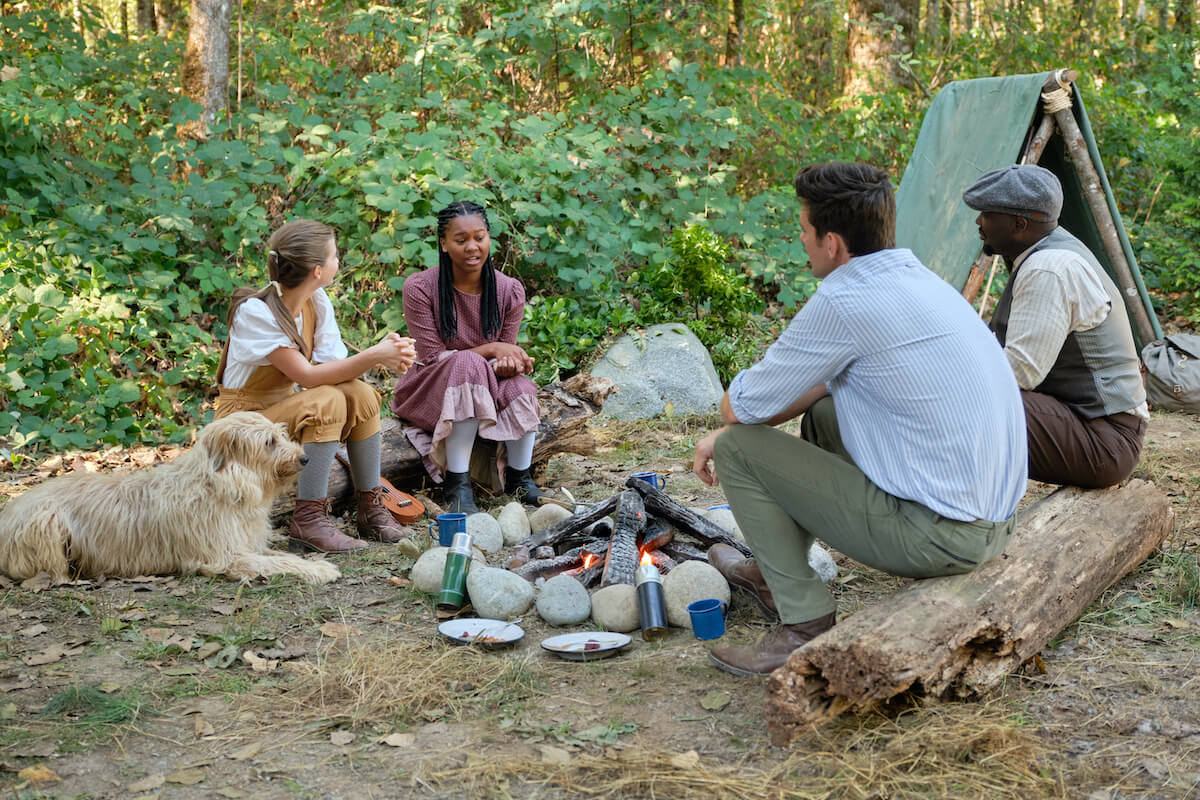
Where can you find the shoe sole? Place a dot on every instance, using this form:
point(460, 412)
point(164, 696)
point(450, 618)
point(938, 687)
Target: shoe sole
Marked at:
point(300, 546)
point(370, 536)
point(746, 591)
point(732, 670)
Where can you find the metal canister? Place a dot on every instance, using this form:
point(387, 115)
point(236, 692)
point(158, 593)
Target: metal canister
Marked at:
point(454, 576)
point(652, 603)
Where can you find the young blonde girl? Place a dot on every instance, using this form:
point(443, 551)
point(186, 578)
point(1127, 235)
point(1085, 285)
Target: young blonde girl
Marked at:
point(286, 335)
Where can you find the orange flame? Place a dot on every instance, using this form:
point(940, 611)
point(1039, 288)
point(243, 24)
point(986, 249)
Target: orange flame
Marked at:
point(588, 558)
point(646, 558)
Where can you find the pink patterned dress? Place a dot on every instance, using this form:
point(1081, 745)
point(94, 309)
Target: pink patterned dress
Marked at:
point(456, 384)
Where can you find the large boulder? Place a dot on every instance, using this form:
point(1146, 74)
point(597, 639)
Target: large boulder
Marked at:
point(667, 365)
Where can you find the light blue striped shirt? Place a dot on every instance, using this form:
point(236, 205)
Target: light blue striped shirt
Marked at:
point(926, 402)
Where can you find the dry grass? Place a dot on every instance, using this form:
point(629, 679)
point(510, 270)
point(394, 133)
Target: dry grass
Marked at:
point(379, 682)
point(959, 751)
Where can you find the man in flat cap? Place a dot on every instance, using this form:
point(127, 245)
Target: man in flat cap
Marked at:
point(899, 382)
point(1062, 323)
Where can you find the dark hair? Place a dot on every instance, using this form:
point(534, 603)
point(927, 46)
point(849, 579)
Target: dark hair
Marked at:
point(489, 306)
point(852, 200)
point(294, 250)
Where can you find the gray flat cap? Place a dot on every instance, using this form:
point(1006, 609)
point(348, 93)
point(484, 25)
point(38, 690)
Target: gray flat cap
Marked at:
point(1024, 190)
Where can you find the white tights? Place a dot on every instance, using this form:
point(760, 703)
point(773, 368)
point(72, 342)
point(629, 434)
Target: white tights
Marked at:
point(462, 439)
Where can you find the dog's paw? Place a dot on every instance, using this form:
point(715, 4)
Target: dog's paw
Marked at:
point(320, 572)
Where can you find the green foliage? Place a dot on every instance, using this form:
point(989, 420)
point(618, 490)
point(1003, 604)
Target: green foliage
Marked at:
point(612, 152)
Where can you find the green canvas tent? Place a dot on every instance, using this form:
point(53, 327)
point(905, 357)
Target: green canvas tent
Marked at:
point(980, 125)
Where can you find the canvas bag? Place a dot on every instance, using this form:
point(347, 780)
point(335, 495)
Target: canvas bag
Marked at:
point(1173, 373)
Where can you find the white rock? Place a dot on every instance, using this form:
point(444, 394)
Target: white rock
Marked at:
point(665, 366)
point(485, 532)
point(615, 607)
point(689, 582)
point(822, 563)
point(724, 518)
point(498, 593)
point(514, 523)
point(546, 516)
point(563, 600)
point(426, 574)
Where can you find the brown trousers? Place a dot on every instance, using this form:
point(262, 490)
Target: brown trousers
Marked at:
point(1065, 448)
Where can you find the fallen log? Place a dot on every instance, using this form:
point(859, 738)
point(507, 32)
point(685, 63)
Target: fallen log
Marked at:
point(958, 636)
point(566, 407)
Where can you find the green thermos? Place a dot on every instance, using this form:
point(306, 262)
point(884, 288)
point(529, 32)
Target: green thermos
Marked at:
point(454, 576)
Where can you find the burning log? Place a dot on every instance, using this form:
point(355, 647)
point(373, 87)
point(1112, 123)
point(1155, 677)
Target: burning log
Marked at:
point(658, 532)
point(659, 505)
point(679, 552)
point(560, 531)
point(962, 635)
point(663, 562)
point(570, 562)
point(620, 566)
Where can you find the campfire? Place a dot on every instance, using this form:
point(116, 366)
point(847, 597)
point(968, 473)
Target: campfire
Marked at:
point(647, 526)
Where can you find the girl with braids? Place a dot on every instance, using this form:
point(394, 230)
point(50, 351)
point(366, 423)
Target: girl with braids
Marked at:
point(465, 316)
point(285, 335)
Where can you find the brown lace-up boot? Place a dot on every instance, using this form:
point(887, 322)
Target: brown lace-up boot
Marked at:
point(744, 575)
point(374, 520)
point(770, 652)
point(312, 528)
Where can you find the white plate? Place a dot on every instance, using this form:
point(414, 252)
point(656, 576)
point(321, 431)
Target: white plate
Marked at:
point(586, 646)
point(487, 632)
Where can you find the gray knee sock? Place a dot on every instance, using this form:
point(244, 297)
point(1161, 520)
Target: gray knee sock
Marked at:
point(364, 462)
point(314, 478)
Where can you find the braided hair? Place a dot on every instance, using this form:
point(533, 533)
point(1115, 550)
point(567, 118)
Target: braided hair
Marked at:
point(489, 306)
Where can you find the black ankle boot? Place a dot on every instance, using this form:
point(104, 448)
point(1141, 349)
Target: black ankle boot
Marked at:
point(520, 485)
point(456, 491)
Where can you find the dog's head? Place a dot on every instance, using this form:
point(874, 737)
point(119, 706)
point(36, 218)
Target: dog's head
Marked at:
point(248, 440)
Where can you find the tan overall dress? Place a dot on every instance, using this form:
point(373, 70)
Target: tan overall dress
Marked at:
point(343, 412)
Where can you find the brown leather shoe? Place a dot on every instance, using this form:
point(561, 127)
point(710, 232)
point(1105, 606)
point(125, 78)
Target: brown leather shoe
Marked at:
point(312, 528)
point(772, 651)
point(744, 575)
point(374, 520)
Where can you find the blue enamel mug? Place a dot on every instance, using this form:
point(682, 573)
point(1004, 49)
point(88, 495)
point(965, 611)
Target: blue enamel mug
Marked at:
point(447, 526)
point(708, 618)
point(653, 478)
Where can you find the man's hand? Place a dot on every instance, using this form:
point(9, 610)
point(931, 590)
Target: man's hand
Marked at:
point(702, 464)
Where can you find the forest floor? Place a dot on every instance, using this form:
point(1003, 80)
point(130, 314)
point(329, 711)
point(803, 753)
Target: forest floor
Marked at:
point(143, 688)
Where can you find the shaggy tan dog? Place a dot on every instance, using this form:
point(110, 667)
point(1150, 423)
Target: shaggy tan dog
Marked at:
point(204, 512)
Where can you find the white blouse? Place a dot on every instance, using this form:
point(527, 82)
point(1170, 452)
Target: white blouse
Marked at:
point(255, 335)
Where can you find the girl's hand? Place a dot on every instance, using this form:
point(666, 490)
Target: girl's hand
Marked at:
point(395, 352)
point(512, 354)
point(507, 366)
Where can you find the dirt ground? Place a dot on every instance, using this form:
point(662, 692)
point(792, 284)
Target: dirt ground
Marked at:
point(171, 687)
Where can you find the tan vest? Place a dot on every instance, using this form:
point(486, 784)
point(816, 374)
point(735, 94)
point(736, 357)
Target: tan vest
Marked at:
point(267, 385)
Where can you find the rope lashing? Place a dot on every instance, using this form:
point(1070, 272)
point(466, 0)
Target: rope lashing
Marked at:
point(1058, 99)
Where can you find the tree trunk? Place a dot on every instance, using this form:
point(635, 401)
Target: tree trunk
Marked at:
point(206, 61)
point(1184, 15)
point(146, 17)
point(960, 636)
point(167, 16)
point(880, 30)
point(734, 33)
point(566, 407)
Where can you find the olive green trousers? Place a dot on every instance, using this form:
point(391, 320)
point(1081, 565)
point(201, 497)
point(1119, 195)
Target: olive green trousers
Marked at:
point(786, 491)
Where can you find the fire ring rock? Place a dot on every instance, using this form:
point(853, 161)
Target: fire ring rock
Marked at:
point(615, 607)
point(498, 593)
point(724, 518)
point(426, 574)
point(546, 516)
point(562, 600)
point(486, 533)
point(689, 582)
point(514, 523)
point(822, 563)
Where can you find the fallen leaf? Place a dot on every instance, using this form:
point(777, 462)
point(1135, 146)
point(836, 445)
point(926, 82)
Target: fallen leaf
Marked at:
point(230, 792)
point(399, 740)
point(554, 755)
point(224, 609)
point(1155, 768)
point(715, 700)
point(1177, 623)
point(15, 684)
point(222, 658)
point(337, 630)
point(202, 727)
point(108, 687)
point(174, 620)
point(398, 581)
point(37, 583)
point(54, 652)
point(258, 663)
point(207, 650)
point(38, 775)
point(341, 737)
point(33, 630)
point(148, 783)
point(186, 777)
point(688, 760)
point(8, 711)
point(133, 615)
point(185, 670)
point(247, 752)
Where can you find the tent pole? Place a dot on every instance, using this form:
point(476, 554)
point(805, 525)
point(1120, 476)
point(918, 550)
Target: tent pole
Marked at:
point(1089, 178)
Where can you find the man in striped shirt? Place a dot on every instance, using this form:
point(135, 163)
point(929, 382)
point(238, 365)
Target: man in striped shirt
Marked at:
point(1061, 321)
point(911, 456)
